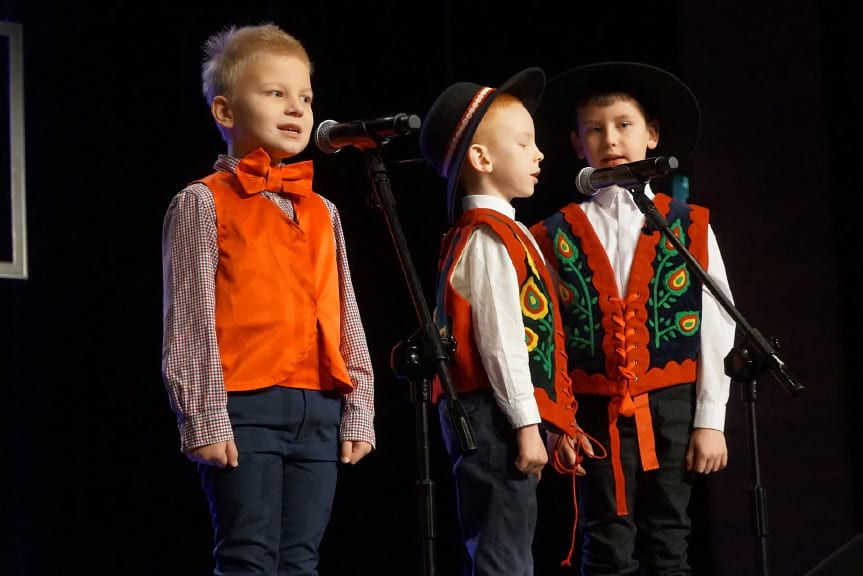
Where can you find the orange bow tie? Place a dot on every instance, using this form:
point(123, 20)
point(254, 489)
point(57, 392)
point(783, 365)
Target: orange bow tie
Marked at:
point(256, 175)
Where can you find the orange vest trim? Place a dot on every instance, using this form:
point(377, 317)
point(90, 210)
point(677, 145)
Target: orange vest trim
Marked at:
point(278, 315)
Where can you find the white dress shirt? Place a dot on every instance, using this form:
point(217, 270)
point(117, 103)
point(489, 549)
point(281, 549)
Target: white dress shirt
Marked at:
point(485, 276)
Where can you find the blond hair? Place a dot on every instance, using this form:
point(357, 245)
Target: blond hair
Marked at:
point(228, 51)
point(502, 102)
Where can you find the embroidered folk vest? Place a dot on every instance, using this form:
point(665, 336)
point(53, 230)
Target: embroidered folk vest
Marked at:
point(540, 313)
point(277, 292)
point(624, 346)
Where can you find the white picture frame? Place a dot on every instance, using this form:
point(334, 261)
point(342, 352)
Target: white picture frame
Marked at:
point(14, 185)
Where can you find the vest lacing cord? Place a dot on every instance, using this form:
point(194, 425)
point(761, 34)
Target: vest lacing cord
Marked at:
point(560, 468)
point(622, 403)
point(622, 334)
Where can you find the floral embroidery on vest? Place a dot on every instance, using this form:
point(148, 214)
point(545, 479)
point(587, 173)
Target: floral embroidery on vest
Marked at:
point(578, 297)
point(675, 282)
point(538, 328)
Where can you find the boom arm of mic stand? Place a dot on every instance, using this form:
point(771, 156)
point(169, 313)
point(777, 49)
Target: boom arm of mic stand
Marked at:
point(430, 338)
point(765, 353)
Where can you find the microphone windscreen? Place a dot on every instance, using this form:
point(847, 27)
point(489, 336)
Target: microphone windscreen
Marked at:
point(582, 181)
point(322, 137)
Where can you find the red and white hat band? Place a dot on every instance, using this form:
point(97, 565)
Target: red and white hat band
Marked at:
point(456, 137)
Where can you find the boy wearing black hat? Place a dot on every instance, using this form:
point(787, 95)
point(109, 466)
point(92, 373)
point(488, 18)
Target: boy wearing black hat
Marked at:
point(495, 299)
point(645, 340)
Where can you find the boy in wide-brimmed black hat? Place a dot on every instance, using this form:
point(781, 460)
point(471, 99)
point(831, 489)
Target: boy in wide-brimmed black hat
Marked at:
point(645, 340)
point(496, 299)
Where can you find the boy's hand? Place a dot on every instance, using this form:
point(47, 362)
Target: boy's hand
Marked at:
point(352, 451)
point(707, 451)
point(532, 456)
point(220, 454)
point(566, 453)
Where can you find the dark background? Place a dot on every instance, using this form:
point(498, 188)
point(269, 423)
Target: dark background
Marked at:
point(92, 479)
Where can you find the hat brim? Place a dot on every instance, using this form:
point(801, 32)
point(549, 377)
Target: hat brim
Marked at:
point(664, 96)
point(527, 86)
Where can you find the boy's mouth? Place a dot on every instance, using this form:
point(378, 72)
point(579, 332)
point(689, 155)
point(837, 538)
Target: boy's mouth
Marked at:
point(294, 128)
point(614, 160)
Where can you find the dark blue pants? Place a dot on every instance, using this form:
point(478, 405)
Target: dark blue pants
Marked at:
point(269, 514)
point(497, 505)
point(651, 539)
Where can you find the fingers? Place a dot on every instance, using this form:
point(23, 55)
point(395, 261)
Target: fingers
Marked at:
point(346, 450)
point(219, 454)
point(690, 458)
point(352, 451)
point(529, 466)
point(702, 463)
point(586, 446)
point(567, 454)
point(232, 454)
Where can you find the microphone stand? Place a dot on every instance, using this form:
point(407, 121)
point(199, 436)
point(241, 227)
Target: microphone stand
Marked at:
point(744, 364)
point(422, 356)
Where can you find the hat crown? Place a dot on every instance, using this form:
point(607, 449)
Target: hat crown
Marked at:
point(663, 95)
point(449, 112)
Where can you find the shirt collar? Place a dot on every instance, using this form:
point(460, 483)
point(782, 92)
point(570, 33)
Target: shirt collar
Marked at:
point(491, 202)
point(606, 197)
point(226, 163)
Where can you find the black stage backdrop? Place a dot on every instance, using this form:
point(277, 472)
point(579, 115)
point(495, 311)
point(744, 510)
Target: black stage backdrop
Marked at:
point(93, 481)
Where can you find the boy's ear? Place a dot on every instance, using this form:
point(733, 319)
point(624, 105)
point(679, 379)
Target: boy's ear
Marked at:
point(576, 144)
point(478, 158)
point(221, 110)
point(652, 134)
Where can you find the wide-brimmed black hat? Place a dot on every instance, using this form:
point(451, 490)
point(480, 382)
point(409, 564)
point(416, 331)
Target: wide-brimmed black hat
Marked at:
point(662, 94)
point(452, 120)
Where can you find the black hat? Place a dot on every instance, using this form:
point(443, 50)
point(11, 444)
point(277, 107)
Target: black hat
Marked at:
point(452, 120)
point(664, 96)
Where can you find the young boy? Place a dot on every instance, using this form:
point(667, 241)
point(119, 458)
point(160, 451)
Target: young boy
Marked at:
point(645, 340)
point(264, 355)
point(495, 299)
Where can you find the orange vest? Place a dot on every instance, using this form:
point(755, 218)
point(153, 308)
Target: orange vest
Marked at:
point(278, 314)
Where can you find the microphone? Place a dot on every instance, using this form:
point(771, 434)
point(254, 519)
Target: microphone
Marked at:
point(332, 136)
point(589, 181)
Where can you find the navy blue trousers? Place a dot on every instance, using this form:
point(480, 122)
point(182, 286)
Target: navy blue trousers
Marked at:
point(652, 538)
point(497, 506)
point(269, 514)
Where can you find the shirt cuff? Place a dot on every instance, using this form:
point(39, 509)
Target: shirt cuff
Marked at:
point(357, 425)
point(522, 413)
point(205, 429)
point(709, 415)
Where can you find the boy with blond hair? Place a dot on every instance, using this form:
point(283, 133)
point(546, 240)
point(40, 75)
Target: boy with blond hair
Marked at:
point(264, 356)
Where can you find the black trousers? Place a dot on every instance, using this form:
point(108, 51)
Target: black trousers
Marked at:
point(652, 538)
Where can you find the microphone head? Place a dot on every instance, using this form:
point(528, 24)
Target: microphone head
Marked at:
point(582, 182)
point(322, 137)
point(672, 163)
